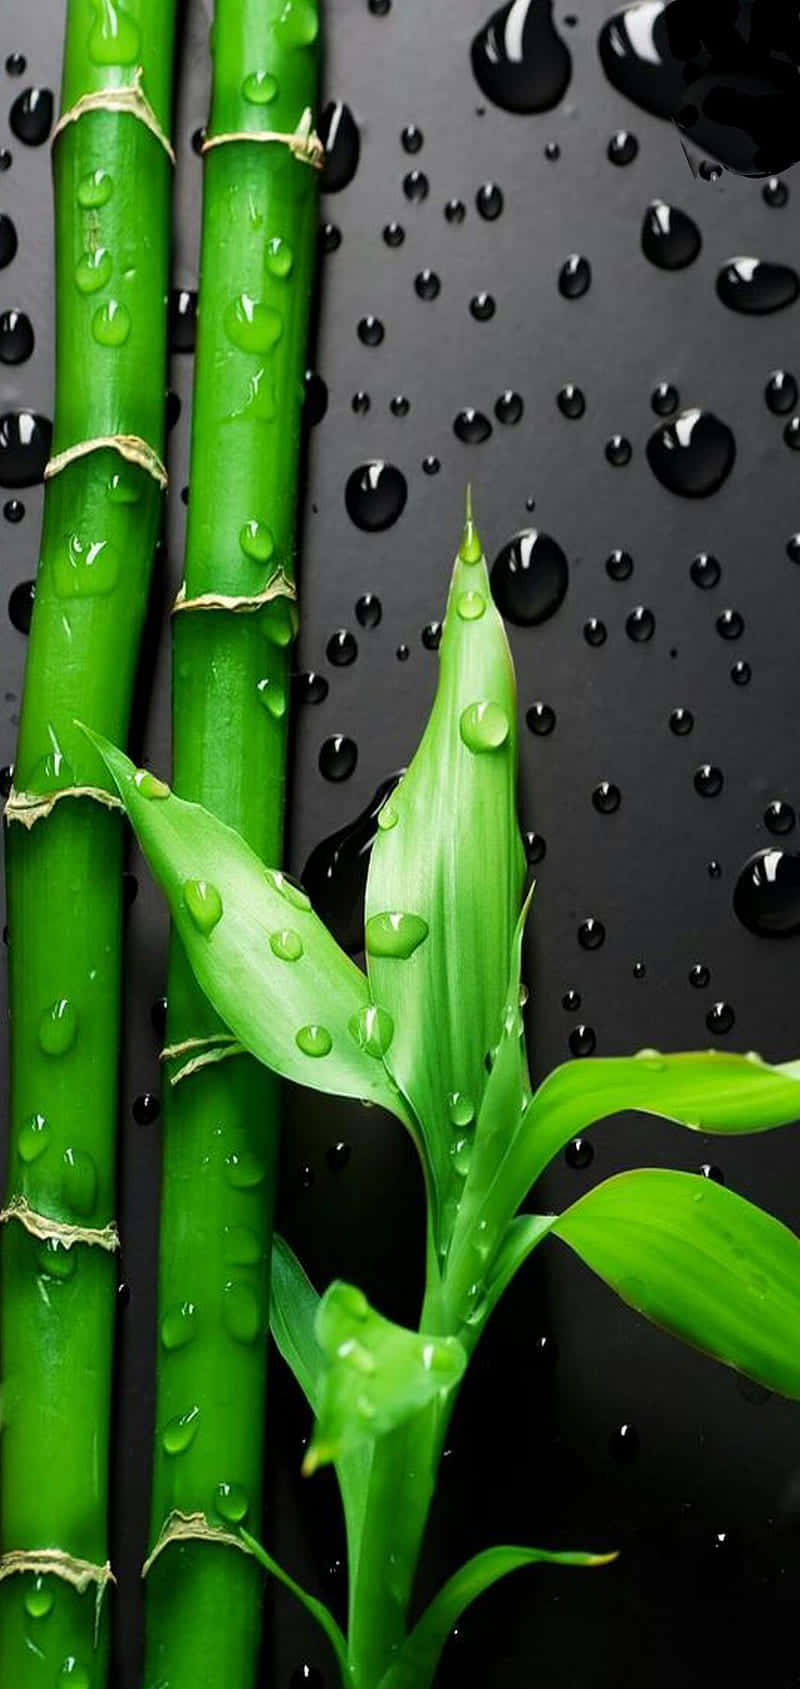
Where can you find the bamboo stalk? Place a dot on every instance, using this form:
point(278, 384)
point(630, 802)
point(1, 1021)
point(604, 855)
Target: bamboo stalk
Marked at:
point(233, 626)
point(64, 840)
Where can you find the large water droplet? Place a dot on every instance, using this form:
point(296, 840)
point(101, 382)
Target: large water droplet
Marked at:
point(31, 116)
point(179, 1325)
point(286, 944)
point(484, 726)
point(471, 426)
point(519, 60)
point(766, 898)
point(16, 337)
point(242, 1314)
point(179, 1433)
point(251, 325)
point(375, 495)
point(298, 23)
point(692, 455)
point(395, 934)
point(111, 323)
point(529, 578)
point(203, 904)
point(231, 1503)
point(259, 88)
point(338, 756)
point(25, 439)
point(338, 132)
point(756, 288)
point(94, 189)
point(670, 238)
point(373, 1029)
point(58, 1028)
point(314, 1040)
point(85, 568)
point(591, 933)
point(336, 871)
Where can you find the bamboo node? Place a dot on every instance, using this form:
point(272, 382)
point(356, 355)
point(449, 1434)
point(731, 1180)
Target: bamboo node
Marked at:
point(278, 586)
point(29, 807)
point(132, 100)
point(303, 142)
point(190, 1527)
point(45, 1228)
point(41, 1562)
point(130, 446)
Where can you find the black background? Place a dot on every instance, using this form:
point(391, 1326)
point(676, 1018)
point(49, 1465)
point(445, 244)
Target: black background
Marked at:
point(706, 1510)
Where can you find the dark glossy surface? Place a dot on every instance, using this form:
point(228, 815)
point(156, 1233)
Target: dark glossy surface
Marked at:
point(580, 1426)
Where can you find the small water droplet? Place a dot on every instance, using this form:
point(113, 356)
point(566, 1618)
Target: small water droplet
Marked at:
point(31, 117)
point(571, 401)
point(79, 1181)
point(508, 407)
point(259, 88)
point(411, 138)
point(708, 780)
point(16, 337)
point(145, 1109)
point(681, 721)
point(699, 976)
point(594, 631)
point(202, 903)
point(244, 1169)
point(33, 1138)
point(618, 451)
point(484, 726)
point(111, 323)
point(341, 649)
point(622, 147)
point(591, 933)
point(39, 1596)
point(619, 565)
point(55, 1261)
point(182, 319)
point(775, 193)
point(338, 756)
point(606, 797)
point(665, 398)
point(489, 201)
point(482, 307)
point(580, 1153)
point(373, 1029)
point(179, 1325)
point(375, 495)
point(394, 234)
point(399, 405)
point(242, 1314)
point(286, 944)
point(582, 1042)
point(8, 240)
point(395, 934)
point(781, 392)
point(149, 786)
point(371, 331)
point(179, 1433)
point(623, 1444)
point(20, 605)
point(256, 541)
point(640, 625)
point(574, 277)
point(693, 455)
point(730, 624)
point(535, 848)
point(720, 1018)
point(529, 578)
point(541, 719)
point(471, 427)
point(241, 1247)
point(470, 606)
point(791, 433)
point(361, 402)
point(756, 288)
point(455, 211)
point(5, 159)
point(73, 1675)
point(58, 1028)
point(670, 238)
point(13, 510)
point(16, 64)
point(369, 610)
point(705, 571)
point(714, 870)
point(330, 237)
point(779, 817)
point(416, 186)
point(708, 1170)
point(430, 465)
point(314, 1040)
point(309, 687)
point(339, 134)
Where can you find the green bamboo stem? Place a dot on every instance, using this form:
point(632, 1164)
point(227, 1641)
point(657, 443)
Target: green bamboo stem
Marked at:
point(64, 871)
point(230, 685)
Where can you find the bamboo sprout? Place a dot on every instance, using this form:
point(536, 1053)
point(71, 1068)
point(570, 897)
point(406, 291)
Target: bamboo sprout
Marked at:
point(233, 625)
point(102, 510)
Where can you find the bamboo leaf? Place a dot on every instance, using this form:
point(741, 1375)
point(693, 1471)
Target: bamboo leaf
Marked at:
point(706, 1090)
point(293, 1310)
point(446, 872)
point(264, 959)
point(419, 1656)
point(315, 1607)
point(700, 1261)
point(375, 1374)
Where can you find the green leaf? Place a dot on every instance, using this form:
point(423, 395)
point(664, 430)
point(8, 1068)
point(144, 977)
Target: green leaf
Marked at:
point(446, 872)
point(700, 1261)
point(264, 959)
point(316, 1608)
point(419, 1657)
point(293, 1310)
point(706, 1090)
point(375, 1375)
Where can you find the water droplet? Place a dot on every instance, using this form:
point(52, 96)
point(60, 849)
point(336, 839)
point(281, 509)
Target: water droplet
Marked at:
point(341, 649)
point(720, 1018)
point(16, 64)
point(791, 433)
point(242, 1314)
point(591, 933)
point(535, 848)
point(730, 625)
point(33, 1138)
point(8, 240)
point(470, 606)
point(399, 405)
point(460, 1109)
point(39, 1597)
point(202, 903)
point(16, 337)
point(639, 970)
point(58, 1028)
point(619, 566)
point(618, 451)
point(369, 610)
point(30, 119)
point(73, 1675)
point(640, 625)
point(693, 455)
point(489, 201)
point(375, 495)
point(79, 1181)
point(623, 1444)
point(289, 889)
point(781, 392)
point(767, 894)
point(670, 238)
point(519, 61)
point(114, 35)
point(427, 284)
point(529, 578)
point(245, 1170)
point(681, 721)
point(472, 427)
point(757, 288)
point(286, 944)
point(13, 510)
point(179, 1325)
point(779, 817)
point(580, 1153)
point(416, 186)
point(179, 1433)
point(430, 465)
point(309, 687)
point(251, 325)
point(241, 1246)
point(699, 976)
point(307, 1677)
point(541, 719)
point(273, 696)
point(25, 439)
point(606, 797)
point(330, 237)
point(182, 319)
point(594, 631)
point(280, 258)
point(482, 307)
point(582, 1042)
point(714, 870)
point(455, 211)
point(256, 541)
point(707, 1170)
point(708, 780)
point(571, 1001)
point(111, 323)
point(574, 277)
point(259, 88)
point(85, 568)
point(508, 408)
point(775, 193)
point(373, 1030)
point(411, 138)
point(145, 1109)
point(379, 8)
point(394, 234)
point(339, 134)
point(230, 1501)
point(705, 571)
point(395, 934)
point(665, 398)
point(56, 1261)
point(361, 402)
point(338, 756)
point(298, 24)
point(622, 148)
point(314, 1040)
point(484, 726)
point(20, 605)
point(571, 401)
